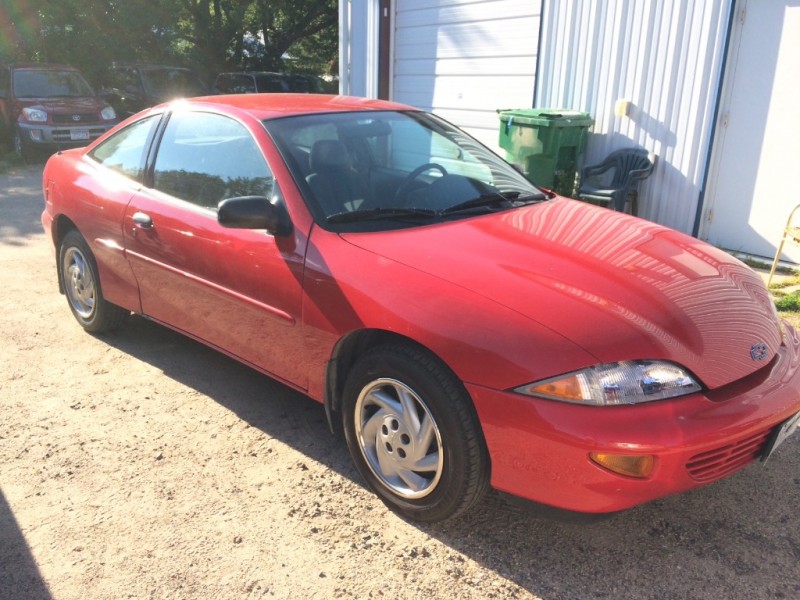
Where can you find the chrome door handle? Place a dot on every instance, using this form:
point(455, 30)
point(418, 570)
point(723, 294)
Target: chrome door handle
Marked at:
point(143, 220)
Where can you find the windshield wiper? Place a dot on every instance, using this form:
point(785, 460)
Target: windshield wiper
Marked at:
point(374, 214)
point(492, 199)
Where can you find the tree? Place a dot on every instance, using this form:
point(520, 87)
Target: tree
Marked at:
point(297, 25)
point(210, 35)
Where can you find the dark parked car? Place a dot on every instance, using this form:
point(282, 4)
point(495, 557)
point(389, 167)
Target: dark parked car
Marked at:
point(131, 88)
point(250, 82)
point(463, 328)
point(50, 107)
point(260, 82)
point(304, 84)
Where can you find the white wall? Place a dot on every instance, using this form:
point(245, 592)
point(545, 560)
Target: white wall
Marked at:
point(752, 187)
point(464, 59)
point(665, 58)
point(358, 47)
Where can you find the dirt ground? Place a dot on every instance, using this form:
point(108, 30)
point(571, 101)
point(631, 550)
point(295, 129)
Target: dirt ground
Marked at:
point(143, 465)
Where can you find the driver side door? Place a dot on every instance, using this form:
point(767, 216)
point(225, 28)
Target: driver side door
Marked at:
point(238, 290)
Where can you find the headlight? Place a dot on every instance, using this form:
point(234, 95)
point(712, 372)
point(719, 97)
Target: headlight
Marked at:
point(108, 113)
point(628, 382)
point(34, 114)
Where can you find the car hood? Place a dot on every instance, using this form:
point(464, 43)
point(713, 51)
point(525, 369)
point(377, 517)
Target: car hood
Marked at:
point(619, 287)
point(62, 106)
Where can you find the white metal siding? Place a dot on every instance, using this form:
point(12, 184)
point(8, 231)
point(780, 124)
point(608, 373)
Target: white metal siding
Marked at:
point(464, 59)
point(665, 58)
point(358, 47)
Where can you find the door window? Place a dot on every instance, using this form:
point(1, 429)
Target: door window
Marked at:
point(205, 158)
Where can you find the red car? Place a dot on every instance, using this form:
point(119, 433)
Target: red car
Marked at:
point(464, 328)
point(48, 106)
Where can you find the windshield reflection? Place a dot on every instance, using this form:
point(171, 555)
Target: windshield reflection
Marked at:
point(385, 169)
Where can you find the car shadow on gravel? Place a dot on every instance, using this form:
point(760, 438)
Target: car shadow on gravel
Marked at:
point(262, 402)
point(737, 538)
point(19, 576)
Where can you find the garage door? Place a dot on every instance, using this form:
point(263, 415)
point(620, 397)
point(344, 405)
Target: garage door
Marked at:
point(464, 60)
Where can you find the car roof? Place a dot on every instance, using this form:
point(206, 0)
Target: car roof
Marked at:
point(251, 73)
point(147, 66)
point(269, 106)
point(41, 66)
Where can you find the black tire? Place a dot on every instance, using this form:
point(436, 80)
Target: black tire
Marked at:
point(424, 455)
point(22, 149)
point(79, 276)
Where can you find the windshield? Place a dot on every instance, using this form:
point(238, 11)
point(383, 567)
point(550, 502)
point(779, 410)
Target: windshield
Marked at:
point(378, 170)
point(37, 83)
point(172, 83)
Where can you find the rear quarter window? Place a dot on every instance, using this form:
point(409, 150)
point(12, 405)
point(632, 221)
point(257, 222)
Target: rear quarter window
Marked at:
point(125, 152)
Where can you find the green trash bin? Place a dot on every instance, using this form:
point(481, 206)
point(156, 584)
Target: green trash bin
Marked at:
point(547, 142)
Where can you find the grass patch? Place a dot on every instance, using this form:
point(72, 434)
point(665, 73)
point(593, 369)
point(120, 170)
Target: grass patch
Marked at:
point(754, 263)
point(789, 302)
point(763, 265)
point(792, 317)
point(784, 284)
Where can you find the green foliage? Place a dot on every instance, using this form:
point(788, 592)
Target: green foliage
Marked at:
point(789, 302)
point(208, 35)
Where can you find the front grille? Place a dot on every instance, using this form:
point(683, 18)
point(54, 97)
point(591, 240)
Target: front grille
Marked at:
point(716, 464)
point(84, 118)
point(64, 135)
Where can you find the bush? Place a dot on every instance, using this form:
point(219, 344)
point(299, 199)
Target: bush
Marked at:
point(789, 302)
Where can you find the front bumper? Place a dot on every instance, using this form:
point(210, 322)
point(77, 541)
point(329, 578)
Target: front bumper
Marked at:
point(62, 135)
point(540, 448)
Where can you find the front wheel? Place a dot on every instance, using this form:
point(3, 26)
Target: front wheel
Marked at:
point(78, 270)
point(413, 434)
point(21, 148)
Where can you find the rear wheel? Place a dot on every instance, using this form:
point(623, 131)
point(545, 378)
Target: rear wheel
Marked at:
point(413, 434)
point(78, 271)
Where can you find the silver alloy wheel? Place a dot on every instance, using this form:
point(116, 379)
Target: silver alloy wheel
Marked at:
point(399, 438)
point(79, 282)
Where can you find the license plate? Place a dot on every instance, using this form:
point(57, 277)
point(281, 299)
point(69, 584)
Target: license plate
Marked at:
point(780, 434)
point(79, 134)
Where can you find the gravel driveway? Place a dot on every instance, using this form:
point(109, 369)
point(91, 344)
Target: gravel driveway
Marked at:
point(144, 465)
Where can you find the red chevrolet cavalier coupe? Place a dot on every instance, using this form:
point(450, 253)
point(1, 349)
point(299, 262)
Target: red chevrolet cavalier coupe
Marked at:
point(464, 328)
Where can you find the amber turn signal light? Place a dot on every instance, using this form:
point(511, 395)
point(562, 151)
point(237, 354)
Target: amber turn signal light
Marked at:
point(638, 465)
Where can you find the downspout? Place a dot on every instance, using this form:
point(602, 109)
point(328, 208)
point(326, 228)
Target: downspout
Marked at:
point(539, 55)
point(717, 106)
point(344, 47)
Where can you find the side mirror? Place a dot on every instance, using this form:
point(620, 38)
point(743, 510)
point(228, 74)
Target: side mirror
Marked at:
point(255, 212)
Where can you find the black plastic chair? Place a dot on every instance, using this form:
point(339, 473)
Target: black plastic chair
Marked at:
point(615, 181)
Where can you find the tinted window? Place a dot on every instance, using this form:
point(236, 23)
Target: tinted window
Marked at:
point(206, 158)
point(172, 83)
point(236, 84)
point(125, 152)
point(271, 83)
point(126, 79)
